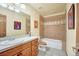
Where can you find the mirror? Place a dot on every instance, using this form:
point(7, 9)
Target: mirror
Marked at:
point(28, 23)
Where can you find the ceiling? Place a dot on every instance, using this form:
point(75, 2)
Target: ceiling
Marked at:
point(46, 9)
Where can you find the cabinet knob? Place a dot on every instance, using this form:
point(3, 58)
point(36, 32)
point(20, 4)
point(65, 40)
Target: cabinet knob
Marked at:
point(19, 54)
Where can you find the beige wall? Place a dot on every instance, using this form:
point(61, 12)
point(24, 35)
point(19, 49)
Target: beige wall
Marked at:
point(71, 36)
point(11, 17)
point(57, 31)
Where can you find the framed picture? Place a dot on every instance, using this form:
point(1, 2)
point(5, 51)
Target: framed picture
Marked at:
point(17, 25)
point(71, 17)
point(35, 24)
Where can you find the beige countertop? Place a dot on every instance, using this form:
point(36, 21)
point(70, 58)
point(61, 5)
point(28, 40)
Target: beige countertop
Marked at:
point(6, 44)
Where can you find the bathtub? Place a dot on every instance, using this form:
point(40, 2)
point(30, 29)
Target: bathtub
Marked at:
point(53, 43)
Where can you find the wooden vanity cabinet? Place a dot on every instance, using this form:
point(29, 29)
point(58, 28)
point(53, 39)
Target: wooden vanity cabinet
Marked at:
point(26, 49)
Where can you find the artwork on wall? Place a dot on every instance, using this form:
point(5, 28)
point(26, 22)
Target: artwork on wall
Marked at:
point(71, 17)
point(35, 24)
point(17, 25)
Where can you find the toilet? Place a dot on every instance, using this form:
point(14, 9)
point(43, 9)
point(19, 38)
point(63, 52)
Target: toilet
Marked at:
point(42, 46)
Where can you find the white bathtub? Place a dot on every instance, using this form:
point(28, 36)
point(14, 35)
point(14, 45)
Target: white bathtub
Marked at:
point(53, 43)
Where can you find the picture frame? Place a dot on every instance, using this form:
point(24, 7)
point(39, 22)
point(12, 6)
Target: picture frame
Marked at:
point(71, 17)
point(35, 24)
point(17, 25)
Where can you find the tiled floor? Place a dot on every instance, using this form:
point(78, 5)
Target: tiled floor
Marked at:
point(52, 52)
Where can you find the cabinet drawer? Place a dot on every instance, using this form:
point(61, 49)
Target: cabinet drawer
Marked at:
point(26, 45)
point(12, 51)
point(35, 42)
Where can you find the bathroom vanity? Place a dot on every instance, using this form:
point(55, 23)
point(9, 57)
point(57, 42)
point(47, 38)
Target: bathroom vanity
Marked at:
point(28, 47)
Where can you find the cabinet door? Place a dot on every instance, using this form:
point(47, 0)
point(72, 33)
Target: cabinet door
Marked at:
point(26, 49)
point(35, 47)
point(34, 50)
point(26, 52)
point(11, 52)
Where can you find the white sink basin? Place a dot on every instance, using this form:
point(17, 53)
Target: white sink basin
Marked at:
point(9, 42)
